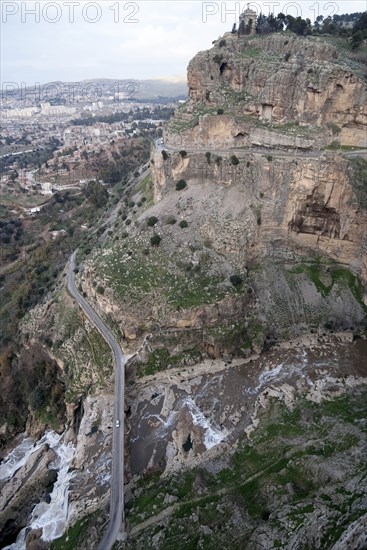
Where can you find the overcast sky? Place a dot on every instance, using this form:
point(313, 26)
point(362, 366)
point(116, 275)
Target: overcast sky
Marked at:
point(76, 40)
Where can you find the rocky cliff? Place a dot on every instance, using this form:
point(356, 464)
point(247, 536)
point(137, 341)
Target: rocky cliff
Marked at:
point(268, 81)
point(248, 230)
point(282, 118)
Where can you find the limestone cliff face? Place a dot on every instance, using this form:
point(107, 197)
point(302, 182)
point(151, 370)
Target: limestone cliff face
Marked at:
point(261, 114)
point(297, 201)
point(276, 79)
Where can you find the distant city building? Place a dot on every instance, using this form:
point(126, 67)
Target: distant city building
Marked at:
point(52, 110)
point(46, 188)
point(20, 113)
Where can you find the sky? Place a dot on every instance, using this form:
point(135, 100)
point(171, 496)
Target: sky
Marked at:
point(70, 40)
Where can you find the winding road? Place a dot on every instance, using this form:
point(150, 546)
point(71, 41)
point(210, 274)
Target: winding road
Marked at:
point(256, 149)
point(117, 474)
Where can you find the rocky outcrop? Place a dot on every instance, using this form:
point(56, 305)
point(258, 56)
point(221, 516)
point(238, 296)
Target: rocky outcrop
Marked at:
point(261, 113)
point(92, 459)
point(19, 495)
point(274, 80)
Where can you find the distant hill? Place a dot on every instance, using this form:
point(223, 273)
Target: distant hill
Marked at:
point(134, 89)
point(143, 89)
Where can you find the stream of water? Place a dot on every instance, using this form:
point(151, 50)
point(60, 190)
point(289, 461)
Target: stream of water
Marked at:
point(50, 516)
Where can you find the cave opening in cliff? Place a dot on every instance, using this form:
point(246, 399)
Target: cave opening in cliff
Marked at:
point(267, 111)
point(223, 67)
point(188, 444)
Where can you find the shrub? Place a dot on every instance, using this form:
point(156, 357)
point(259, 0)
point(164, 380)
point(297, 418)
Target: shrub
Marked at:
point(164, 155)
point(357, 172)
point(100, 289)
point(152, 221)
point(234, 160)
point(181, 184)
point(220, 111)
point(357, 40)
point(171, 220)
point(146, 252)
point(128, 222)
point(183, 154)
point(269, 158)
point(222, 43)
point(183, 223)
point(248, 164)
point(335, 145)
point(218, 160)
point(131, 204)
point(208, 155)
point(334, 128)
point(155, 240)
point(136, 174)
point(143, 199)
point(236, 280)
point(287, 56)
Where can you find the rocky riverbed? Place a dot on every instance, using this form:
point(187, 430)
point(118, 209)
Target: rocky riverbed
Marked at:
point(177, 421)
point(177, 416)
point(288, 467)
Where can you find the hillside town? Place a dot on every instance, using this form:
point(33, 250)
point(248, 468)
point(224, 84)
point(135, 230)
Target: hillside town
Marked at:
point(45, 145)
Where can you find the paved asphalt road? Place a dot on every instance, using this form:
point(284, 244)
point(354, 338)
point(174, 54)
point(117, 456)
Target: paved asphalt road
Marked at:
point(117, 475)
point(266, 151)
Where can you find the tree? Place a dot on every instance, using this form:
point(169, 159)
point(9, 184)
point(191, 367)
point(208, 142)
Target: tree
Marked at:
point(236, 280)
point(242, 28)
point(96, 193)
point(318, 23)
point(14, 175)
point(268, 24)
point(329, 26)
point(155, 240)
point(300, 26)
point(181, 184)
point(234, 28)
point(361, 23)
point(359, 31)
point(357, 40)
point(152, 221)
point(282, 18)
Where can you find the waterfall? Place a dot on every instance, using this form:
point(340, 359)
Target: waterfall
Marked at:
point(51, 517)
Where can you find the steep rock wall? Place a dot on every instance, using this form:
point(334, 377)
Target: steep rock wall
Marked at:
point(268, 81)
point(307, 201)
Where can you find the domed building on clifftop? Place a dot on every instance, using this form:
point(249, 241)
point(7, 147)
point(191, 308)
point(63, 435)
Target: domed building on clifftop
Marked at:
point(248, 21)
